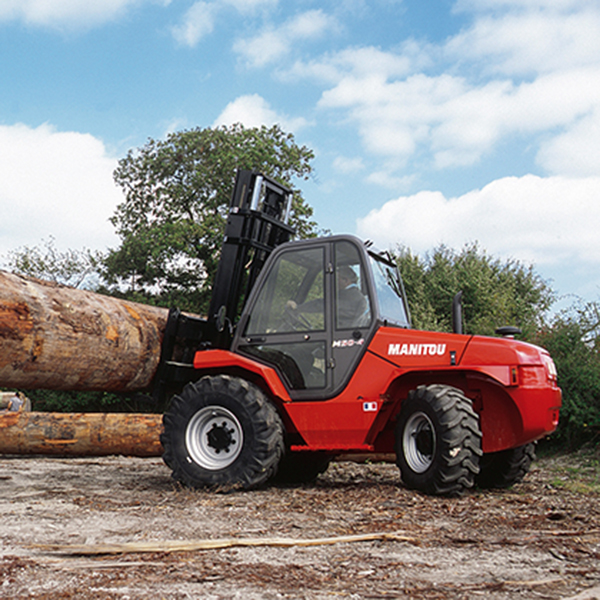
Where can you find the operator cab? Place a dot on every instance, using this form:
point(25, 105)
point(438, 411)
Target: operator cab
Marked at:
point(314, 309)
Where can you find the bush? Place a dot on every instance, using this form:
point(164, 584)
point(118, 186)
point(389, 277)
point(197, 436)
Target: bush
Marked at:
point(59, 401)
point(495, 292)
point(572, 340)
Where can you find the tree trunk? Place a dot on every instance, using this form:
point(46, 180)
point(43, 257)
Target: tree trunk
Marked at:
point(61, 338)
point(80, 434)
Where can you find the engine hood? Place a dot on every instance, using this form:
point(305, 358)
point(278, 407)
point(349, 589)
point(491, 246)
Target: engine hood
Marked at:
point(496, 357)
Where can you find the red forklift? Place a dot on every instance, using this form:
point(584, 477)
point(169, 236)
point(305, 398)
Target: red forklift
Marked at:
point(308, 353)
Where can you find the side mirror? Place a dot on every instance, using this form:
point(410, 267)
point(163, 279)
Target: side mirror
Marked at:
point(221, 318)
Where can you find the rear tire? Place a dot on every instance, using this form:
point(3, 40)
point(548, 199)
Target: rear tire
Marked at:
point(222, 432)
point(438, 441)
point(505, 468)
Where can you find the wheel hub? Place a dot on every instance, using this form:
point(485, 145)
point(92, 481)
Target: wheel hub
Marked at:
point(214, 438)
point(220, 437)
point(424, 441)
point(418, 442)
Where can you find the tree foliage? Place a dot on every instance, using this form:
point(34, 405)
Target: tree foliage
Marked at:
point(573, 340)
point(498, 293)
point(176, 196)
point(75, 268)
point(495, 292)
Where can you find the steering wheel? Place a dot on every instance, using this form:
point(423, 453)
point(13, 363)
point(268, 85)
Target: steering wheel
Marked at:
point(296, 320)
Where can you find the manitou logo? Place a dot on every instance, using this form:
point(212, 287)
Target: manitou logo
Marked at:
point(416, 349)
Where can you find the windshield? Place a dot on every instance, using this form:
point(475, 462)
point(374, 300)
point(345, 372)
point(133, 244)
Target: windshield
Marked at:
point(389, 290)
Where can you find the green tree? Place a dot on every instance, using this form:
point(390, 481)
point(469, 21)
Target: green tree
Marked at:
point(75, 268)
point(495, 292)
point(573, 340)
point(176, 196)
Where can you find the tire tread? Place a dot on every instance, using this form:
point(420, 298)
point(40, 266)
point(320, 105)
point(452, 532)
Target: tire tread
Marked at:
point(265, 448)
point(457, 464)
point(505, 468)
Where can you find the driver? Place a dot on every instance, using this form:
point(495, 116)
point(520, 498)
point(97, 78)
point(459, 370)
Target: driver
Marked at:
point(351, 304)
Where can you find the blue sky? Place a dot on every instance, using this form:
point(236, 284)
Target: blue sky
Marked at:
point(445, 121)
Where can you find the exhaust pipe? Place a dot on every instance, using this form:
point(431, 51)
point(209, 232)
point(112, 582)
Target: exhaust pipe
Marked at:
point(457, 324)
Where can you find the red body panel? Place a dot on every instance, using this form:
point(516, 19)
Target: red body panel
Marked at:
point(524, 408)
point(225, 360)
point(516, 397)
point(352, 420)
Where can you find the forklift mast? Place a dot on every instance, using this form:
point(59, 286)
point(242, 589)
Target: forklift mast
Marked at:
point(257, 222)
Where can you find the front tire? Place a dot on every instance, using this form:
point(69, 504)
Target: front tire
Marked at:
point(438, 441)
point(222, 432)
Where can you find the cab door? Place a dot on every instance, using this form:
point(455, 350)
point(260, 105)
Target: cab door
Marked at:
point(352, 312)
point(309, 316)
point(287, 322)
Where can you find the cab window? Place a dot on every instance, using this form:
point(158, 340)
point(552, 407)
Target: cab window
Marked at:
point(292, 297)
point(352, 306)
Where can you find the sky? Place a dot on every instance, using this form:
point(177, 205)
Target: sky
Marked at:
point(441, 122)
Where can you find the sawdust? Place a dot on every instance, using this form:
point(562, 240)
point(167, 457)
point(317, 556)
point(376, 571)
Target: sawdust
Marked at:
point(538, 540)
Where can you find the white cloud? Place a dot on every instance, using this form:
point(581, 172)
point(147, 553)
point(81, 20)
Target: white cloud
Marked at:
point(275, 42)
point(386, 178)
point(264, 48)
point(249, 6)
point(355, 63)
point(254, 111)
point(55, 184)
point(343, 164)
point(547, 221)
point(395, 117)
point(519, 42)
point(521, 69)
point(200, 19)
point(574, 152)
point(198, 22)
point(522, 5)
point(308, 25)
point(67, 14)
point(458, 122)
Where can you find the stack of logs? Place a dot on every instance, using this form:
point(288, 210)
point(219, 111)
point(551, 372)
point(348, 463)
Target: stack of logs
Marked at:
point(59, 338)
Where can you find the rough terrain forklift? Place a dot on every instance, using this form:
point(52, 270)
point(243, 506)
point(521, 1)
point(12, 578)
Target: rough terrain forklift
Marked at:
point(308, 353)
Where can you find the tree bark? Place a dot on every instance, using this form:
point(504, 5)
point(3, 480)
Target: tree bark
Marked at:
point(61, 338)
point(80, 434)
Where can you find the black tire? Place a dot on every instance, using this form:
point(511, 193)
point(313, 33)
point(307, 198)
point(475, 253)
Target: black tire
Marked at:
point(301, 467)
point(438, 441)
point(506, 468)
point(222, 432)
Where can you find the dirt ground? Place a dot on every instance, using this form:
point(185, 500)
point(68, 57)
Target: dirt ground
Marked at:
point(539, 540)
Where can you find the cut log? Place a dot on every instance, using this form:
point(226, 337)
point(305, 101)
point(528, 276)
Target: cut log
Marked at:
point(80, 434)
point(98, 434)
point(61, 338)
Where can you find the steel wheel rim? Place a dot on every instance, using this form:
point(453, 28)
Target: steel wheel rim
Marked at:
point(214, 438)
point(418, 442)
